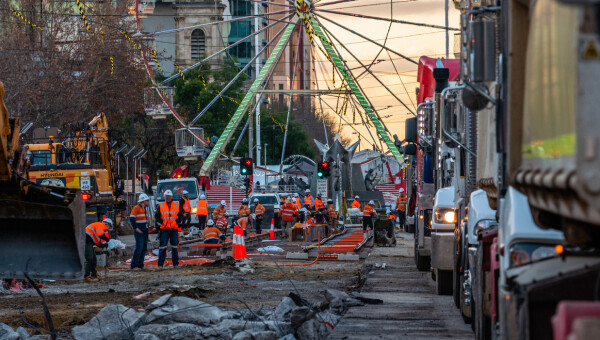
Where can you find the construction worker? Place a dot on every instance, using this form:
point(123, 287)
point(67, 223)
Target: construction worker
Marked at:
point(244, 222)
point(368, 214)
point(296, 201)
point(282, 199)
point(332, 216)
point(356, 203)
point(401, 207)
point(222, 223)
point(167, 215)
point(308, 201)
point(139, 221)
point(202, 211)
point(276, 218)
point(219, 211)
point(287, 213)
point(185, 212)
point(211, 235)
point(319, 209)
point(259, 211)
point(96, 234)
point(244, 210)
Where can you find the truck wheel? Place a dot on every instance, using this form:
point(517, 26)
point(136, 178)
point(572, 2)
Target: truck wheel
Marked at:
point(443, 282)
point(465, 311)
point(423, 262)
point(410, 228)
point(456, 276)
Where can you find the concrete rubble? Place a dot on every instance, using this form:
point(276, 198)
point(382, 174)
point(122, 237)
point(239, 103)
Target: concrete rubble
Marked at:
point(179, 317)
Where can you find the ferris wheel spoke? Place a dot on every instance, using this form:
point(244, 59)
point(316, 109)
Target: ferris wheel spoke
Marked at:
point(404, 22)
point(272, 3)
point(177, 75)
point(369, 39)
point(237, 75)
point(216, 22)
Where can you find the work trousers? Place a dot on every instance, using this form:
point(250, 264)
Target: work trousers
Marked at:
point(258, 224)
point(90, 260)
point(186, 218)
point(168, 236)
point(211, 240)
point(320, 216)
point(333, 223)
point(287, 226)
point(367, 222)
point(202, 221)
point(141, 247)
point(401, 217)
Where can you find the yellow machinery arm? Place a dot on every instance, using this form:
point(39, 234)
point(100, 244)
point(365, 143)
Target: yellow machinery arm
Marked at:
point(42, 228)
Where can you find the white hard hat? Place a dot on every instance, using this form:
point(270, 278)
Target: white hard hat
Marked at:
point(371, 202)
point(401, 190)
point(143, 197)
point(202, 197)
point(185, 192)
point(223, 202)
point(256, 200)
point(108, 220)
point(244, 200)
point(168, 193)
point(288, 200)
point(356, 197)
point(318, 194)
point(210, 222)
point(294, 200)
point(307, 191)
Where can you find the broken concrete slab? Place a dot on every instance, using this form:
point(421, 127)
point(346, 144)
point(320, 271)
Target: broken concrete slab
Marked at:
point(284, 309)
point(179, 309)
point(297, 256)
point(313, 329)
point(245, 266)
point(23, 333)
point(329, 317)
point(112, 322)
point(348, 257)
point(260, 335)
point(340, 301)
point(300, 315)
point(7, 333)
point(179, 331)
point(367, 300)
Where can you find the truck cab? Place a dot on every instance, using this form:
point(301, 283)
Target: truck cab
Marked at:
point(177, 186)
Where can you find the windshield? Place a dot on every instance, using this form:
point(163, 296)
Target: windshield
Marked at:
point(177, 187)
point(40, 157)
point(265, 199)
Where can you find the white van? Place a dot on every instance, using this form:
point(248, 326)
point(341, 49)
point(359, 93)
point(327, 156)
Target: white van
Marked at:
point(177, 186)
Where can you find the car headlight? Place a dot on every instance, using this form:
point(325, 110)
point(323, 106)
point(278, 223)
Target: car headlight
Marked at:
point(194, 209)
point(445, 215)
point(524, 253)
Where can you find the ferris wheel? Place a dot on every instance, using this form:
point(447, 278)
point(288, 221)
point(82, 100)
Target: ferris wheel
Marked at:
point(316, 21)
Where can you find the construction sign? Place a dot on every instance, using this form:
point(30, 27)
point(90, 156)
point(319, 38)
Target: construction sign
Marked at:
point(590, 51)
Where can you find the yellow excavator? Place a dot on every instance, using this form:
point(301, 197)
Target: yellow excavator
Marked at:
point(41, 227)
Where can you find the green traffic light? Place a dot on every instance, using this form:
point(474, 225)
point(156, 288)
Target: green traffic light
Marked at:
point(243, 171)
point(320, 174)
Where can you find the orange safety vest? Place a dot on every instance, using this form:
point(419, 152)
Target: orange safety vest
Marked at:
point(401, 203)
point(244, 211)
point(211, 232)
point(356, 204)
point(319, 204)
point(168, 213)
point(186, 205)
point(287, 212)
point(368, 211)
point(298, 204)
point(259, 209)
point(140, 214)
point(218, 212)
point(222, 222)
point(202, 208)
point(331, 211)
point(95, 230)
point(308, 200)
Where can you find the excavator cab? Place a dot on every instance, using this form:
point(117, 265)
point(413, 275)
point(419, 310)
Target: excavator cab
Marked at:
point(41, 227)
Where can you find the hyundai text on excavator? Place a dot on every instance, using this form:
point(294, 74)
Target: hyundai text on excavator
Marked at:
point(42, 227)
point(82, 159)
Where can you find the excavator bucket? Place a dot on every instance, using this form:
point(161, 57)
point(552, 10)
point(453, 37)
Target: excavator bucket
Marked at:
point(42, 232)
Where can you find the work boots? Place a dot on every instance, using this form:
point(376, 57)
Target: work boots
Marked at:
point(90, 279)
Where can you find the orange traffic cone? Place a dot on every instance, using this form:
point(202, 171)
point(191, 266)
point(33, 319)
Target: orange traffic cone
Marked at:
point(272, 232)
point(234, 246)
point(242, 246)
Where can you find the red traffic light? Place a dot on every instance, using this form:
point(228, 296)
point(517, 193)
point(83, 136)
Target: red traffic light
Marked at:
point(324, 164)
point(248, 162)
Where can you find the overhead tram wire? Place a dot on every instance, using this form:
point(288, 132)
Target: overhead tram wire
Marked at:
point(403, 85)
point(367, 70)
point(364, 37)
point(320, 98)
point(387, 34)
point(366, 5)
point(201, 113)
point(363, 16)
point(177, 75)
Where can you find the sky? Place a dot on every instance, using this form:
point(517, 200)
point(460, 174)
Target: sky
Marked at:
point(408, 40)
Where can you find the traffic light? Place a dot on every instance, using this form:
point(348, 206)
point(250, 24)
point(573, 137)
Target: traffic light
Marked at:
point(246, 166)
point(323, 169)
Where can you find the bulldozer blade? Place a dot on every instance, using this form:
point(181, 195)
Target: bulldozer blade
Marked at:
point(44, 241)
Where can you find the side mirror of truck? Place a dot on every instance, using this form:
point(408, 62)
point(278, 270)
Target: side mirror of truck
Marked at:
point(410, 134)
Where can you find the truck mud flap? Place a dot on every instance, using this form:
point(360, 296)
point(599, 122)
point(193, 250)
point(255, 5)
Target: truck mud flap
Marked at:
point(44, 241)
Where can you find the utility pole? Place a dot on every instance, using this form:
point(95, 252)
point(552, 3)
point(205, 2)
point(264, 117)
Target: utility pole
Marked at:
point(133, 167)
point(447, 34)
point(257, 45)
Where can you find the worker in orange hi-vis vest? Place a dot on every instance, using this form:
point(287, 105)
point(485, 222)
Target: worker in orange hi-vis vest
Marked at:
point(167, 215)
point(332, 216)
point(244, 210)
point(319, 209)
point(202, 211)
point(356, 202)
point(308, 200)
point(219, 211)
point(259, 211)
point(185, 211)
point(401, 207)
point(368, 215)
point(287, 213)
